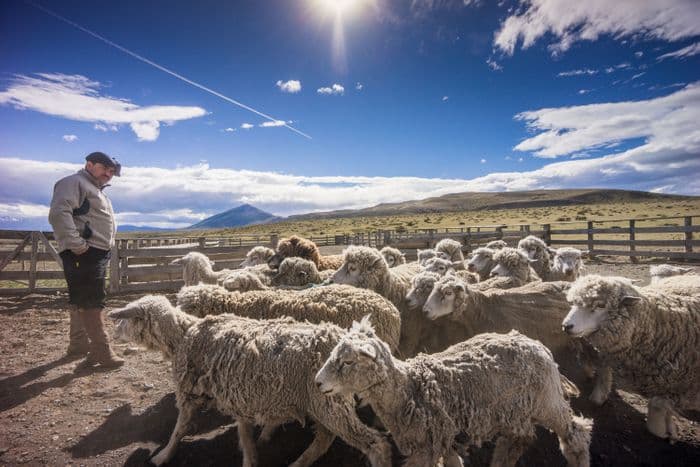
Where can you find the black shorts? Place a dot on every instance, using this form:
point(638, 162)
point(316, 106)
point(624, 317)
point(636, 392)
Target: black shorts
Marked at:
point(86, 275)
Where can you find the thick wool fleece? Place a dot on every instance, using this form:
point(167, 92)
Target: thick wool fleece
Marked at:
point(427, 401)
point(196, 268)
point(338, 304)
point(257, 255)
point(304, 248)
point(393, 256)
point(484, 257)
point(452, 248)
point(653, 344)
point(519, 270)
point(542, 255)
point(296, 272)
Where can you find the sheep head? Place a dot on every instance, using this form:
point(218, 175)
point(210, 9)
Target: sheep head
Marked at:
point(296, 272)
point(446, 297)
point(534, 247)
point(421, 286)
point(440, 266)
point(568, 261)
point(598, 302)
point(511, 263)
point(135, 318)
point(357, 363)
point(362, 267)
point(481, 260)
point(295, 246)
point(257, 255)
point(393, 256)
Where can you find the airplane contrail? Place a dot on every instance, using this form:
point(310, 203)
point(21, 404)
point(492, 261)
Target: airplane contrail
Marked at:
point(162, 68)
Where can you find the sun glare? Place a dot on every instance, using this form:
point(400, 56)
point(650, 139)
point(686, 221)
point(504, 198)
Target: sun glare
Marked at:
point(339, 7)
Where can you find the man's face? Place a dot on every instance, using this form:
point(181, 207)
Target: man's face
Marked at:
point(101, 172)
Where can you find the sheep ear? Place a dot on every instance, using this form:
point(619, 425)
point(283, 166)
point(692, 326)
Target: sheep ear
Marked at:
point(629, 300)
point(127, 312)
point(176, 261)
point(211, 263)
point(368, 351)
point(378, 261)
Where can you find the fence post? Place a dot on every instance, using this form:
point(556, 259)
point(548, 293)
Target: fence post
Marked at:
point(634, 259)
point(114, 269)
point(124, 264)
point(469, 239)
point(590, 240)
point(202, 242)
point(499, 232)
point(688, 235)
point(33, 261)
point(547, 234)
point(274, 240)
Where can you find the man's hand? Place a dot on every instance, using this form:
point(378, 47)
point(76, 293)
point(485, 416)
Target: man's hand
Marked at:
point(79, 251)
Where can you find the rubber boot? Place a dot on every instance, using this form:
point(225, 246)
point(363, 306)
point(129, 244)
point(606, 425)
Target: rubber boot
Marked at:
point(100, 351)
point(79, 344)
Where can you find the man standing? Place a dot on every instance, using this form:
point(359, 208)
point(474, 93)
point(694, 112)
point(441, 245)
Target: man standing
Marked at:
point(83, 223)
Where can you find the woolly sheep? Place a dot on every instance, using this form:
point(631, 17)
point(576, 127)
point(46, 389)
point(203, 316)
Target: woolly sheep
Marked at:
point(259, 372)
point(303, 248)
point(257, 255)
point(453, 250)
point(427, 401)
point(393, 256)
point(425, 255)
point(364, 267)
point(442, 266)
point(536, 249)
point(482, 262)
point(662, 271)
point(496, 244)
point(298, 272)
point(512, 270)
point(196, 268)
point(649, 337)
point(257, 277)
point(338, 304)
point(687, 284)
point(567, 265)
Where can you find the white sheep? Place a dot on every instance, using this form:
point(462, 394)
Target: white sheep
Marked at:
point(293, 272)
point(257, 255)
point(442, 266)
point(538, 251)
point(338, 304)
point(650, 338)
point(496, 244)
point(259, 372)
point(662, 271)
point(567, 265)
point(482, 262)
point(364, 267)
point(393, 256)
point(197, 267)
point(424, 255)
point(453, 250)
point(470, 389)
point(513, 269)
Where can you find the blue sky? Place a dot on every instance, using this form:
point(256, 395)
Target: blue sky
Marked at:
point(401, 100)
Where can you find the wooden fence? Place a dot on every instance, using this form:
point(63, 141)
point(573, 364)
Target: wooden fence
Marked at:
point(142, 264)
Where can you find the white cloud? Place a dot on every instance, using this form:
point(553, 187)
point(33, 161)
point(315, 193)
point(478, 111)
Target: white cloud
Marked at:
point(76, 97)
point(358, 86)
point(584, 71)
point(483, 161)
point(101, 127)
point(493, 65)
point(638, 75)
point(247, 126)
point(445, 98)
point(584, 91)
point(229, 130)
point(292, 86)
point(685, 52)
point(335, 89)
point(570, 21)
point(668, 124)
point(70, 138)
point(269, 124)
point(639, 54)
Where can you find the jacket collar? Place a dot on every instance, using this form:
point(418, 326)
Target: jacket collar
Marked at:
point(92, 179)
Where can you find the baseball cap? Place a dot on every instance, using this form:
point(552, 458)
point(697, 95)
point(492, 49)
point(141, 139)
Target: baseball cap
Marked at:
point(102, 158)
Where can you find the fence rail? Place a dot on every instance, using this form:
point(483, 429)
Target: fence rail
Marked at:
point(29, 261)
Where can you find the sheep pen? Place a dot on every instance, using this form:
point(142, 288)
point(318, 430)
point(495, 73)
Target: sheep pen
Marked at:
point(50, 416)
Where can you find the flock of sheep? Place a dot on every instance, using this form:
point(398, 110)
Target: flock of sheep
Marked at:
point(448, 353)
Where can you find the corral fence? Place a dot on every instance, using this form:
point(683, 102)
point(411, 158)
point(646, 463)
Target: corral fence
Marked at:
point(29, 261)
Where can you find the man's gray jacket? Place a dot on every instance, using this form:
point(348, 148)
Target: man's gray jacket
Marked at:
point(78, 200)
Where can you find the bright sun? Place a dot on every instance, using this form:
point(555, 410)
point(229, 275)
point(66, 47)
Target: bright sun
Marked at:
point(339, 7)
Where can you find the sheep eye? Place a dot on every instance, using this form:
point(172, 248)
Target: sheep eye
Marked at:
point(448, 293)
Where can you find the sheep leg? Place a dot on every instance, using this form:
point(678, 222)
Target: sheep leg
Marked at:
point(660, 419)
point(267, 431)
point(182, 425)
point(247, 444)
point(320, 444)
point(602, 385)
point(508, 450)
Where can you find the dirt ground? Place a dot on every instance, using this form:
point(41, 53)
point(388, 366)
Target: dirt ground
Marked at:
point(50, 415)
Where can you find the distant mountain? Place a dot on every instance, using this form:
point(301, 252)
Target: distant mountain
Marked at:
point(140, 228)
point(474, 201)
point(244, 214)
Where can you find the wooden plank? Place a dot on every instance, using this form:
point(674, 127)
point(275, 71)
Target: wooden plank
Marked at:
point(633, 247)
point(171, 252)
point(153, 286)
point(32, 265)
point(25, 275)
point(653, 254)
point(625, 230)
point(677, 243)
point(51, 250)
point(41, 256)
point(688, 235)
point(7, 259)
